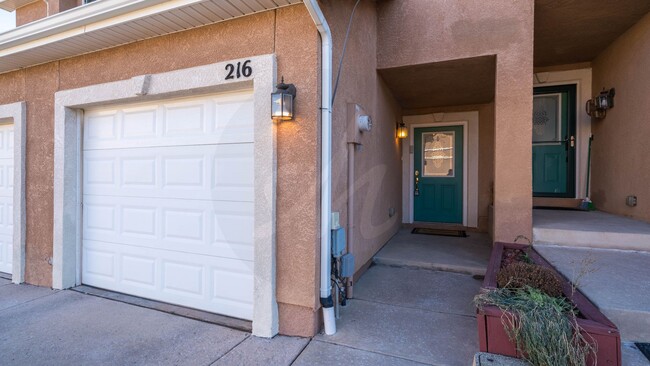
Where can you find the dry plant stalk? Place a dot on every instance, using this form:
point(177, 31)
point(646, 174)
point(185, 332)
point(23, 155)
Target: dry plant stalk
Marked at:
point(544, 328)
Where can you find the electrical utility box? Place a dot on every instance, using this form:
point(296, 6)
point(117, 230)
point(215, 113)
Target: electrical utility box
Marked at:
point(347, 265)
point(338, 242)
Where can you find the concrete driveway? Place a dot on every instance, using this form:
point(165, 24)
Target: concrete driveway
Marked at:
point(385, 325)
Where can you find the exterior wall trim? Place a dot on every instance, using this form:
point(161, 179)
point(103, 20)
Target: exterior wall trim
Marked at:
point(17, 112)
point(205, 79)
point(470, 164)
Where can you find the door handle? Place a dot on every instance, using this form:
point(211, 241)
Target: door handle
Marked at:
point(416, 192)
point(570, 142)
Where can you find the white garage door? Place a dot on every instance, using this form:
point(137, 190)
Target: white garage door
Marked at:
point(6, 196)
point(168, 202)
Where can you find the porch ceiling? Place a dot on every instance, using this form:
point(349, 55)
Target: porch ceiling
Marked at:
point(446, 83)
point(575, 31)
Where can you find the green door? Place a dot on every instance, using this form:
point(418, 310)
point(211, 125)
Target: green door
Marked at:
point(554, 124)
point(438, 169)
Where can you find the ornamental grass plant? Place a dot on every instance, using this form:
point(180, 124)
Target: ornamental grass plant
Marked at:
point(543, 328)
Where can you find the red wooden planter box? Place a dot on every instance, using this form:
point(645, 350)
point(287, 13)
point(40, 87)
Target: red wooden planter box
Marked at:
point(494, 339)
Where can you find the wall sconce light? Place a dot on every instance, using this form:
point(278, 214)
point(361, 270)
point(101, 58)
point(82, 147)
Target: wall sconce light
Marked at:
point(597, 106)
point(282, 101)
point(402, 130)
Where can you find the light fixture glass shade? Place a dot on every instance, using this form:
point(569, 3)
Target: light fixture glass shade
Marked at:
point(402, 131)
point(603, 102)
point(282, 106)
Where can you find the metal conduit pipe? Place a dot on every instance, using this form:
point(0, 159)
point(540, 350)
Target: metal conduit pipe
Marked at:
point(349, 293)
point(326, 165)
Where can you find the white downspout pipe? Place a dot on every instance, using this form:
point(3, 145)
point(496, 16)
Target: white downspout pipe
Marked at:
point(326, 165)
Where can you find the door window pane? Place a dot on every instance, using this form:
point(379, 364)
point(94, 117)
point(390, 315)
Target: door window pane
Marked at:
point(546, 118)
point(438, 155)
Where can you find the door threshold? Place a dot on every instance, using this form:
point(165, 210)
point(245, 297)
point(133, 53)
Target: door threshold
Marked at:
point(6, 276)
point(556, 202)
point(438, 225)
point(204, 316)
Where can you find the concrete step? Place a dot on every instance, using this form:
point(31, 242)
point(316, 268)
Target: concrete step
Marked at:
point(592, 229)
point(616, 281)
point(570, 203)
point(468, 255)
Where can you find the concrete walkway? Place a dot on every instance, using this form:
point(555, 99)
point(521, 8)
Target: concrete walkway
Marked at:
point(408, 316)
point(614, 280)
point(592, 229)
point(43, 327)
point(389, 323)
point(402, 314)
point(468, 255)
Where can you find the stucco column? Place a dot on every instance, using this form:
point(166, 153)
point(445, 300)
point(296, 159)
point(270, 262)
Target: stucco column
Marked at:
point(513, 149)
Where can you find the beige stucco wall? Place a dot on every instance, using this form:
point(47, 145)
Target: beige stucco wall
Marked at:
point(439, 30)
point(31, 12)
point(377, 183)
point(40, 9)
point(298, 142)
point(620, 165)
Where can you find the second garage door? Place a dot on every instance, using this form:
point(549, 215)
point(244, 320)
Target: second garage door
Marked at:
point(168, 201)
point(6, 196)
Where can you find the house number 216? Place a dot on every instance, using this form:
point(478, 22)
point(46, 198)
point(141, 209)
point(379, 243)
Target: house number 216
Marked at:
point(242, 69)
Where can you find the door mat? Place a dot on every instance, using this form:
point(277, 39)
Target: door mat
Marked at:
point(439, 232)
point(645, 349)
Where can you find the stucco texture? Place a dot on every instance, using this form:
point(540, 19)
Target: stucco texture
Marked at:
point(620, 164)
point(439, 30)
point(31, 12)
point(40, 9)
point(298, 142)
point(377, 181)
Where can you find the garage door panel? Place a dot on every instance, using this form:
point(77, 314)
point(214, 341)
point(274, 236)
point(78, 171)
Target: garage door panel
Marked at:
point(6, 177)
point(222, 119)
point(6, 196)
point(6, 215)
point(168, 201)
point(138, 271)
point(6, 141)
point(139, 123)
point(6, 253)
point(98, 264)
point(234, 120)
point(186, 119)
point(99, 171)
point(216, 228)
point(100, 128)
point(206, 172)
point(213, 284)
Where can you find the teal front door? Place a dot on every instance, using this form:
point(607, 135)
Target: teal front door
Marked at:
point(554, 125)
point(438, 169)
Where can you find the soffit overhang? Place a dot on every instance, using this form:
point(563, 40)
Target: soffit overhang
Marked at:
point(577, 31)
point(442, 84)
point(108, 23)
